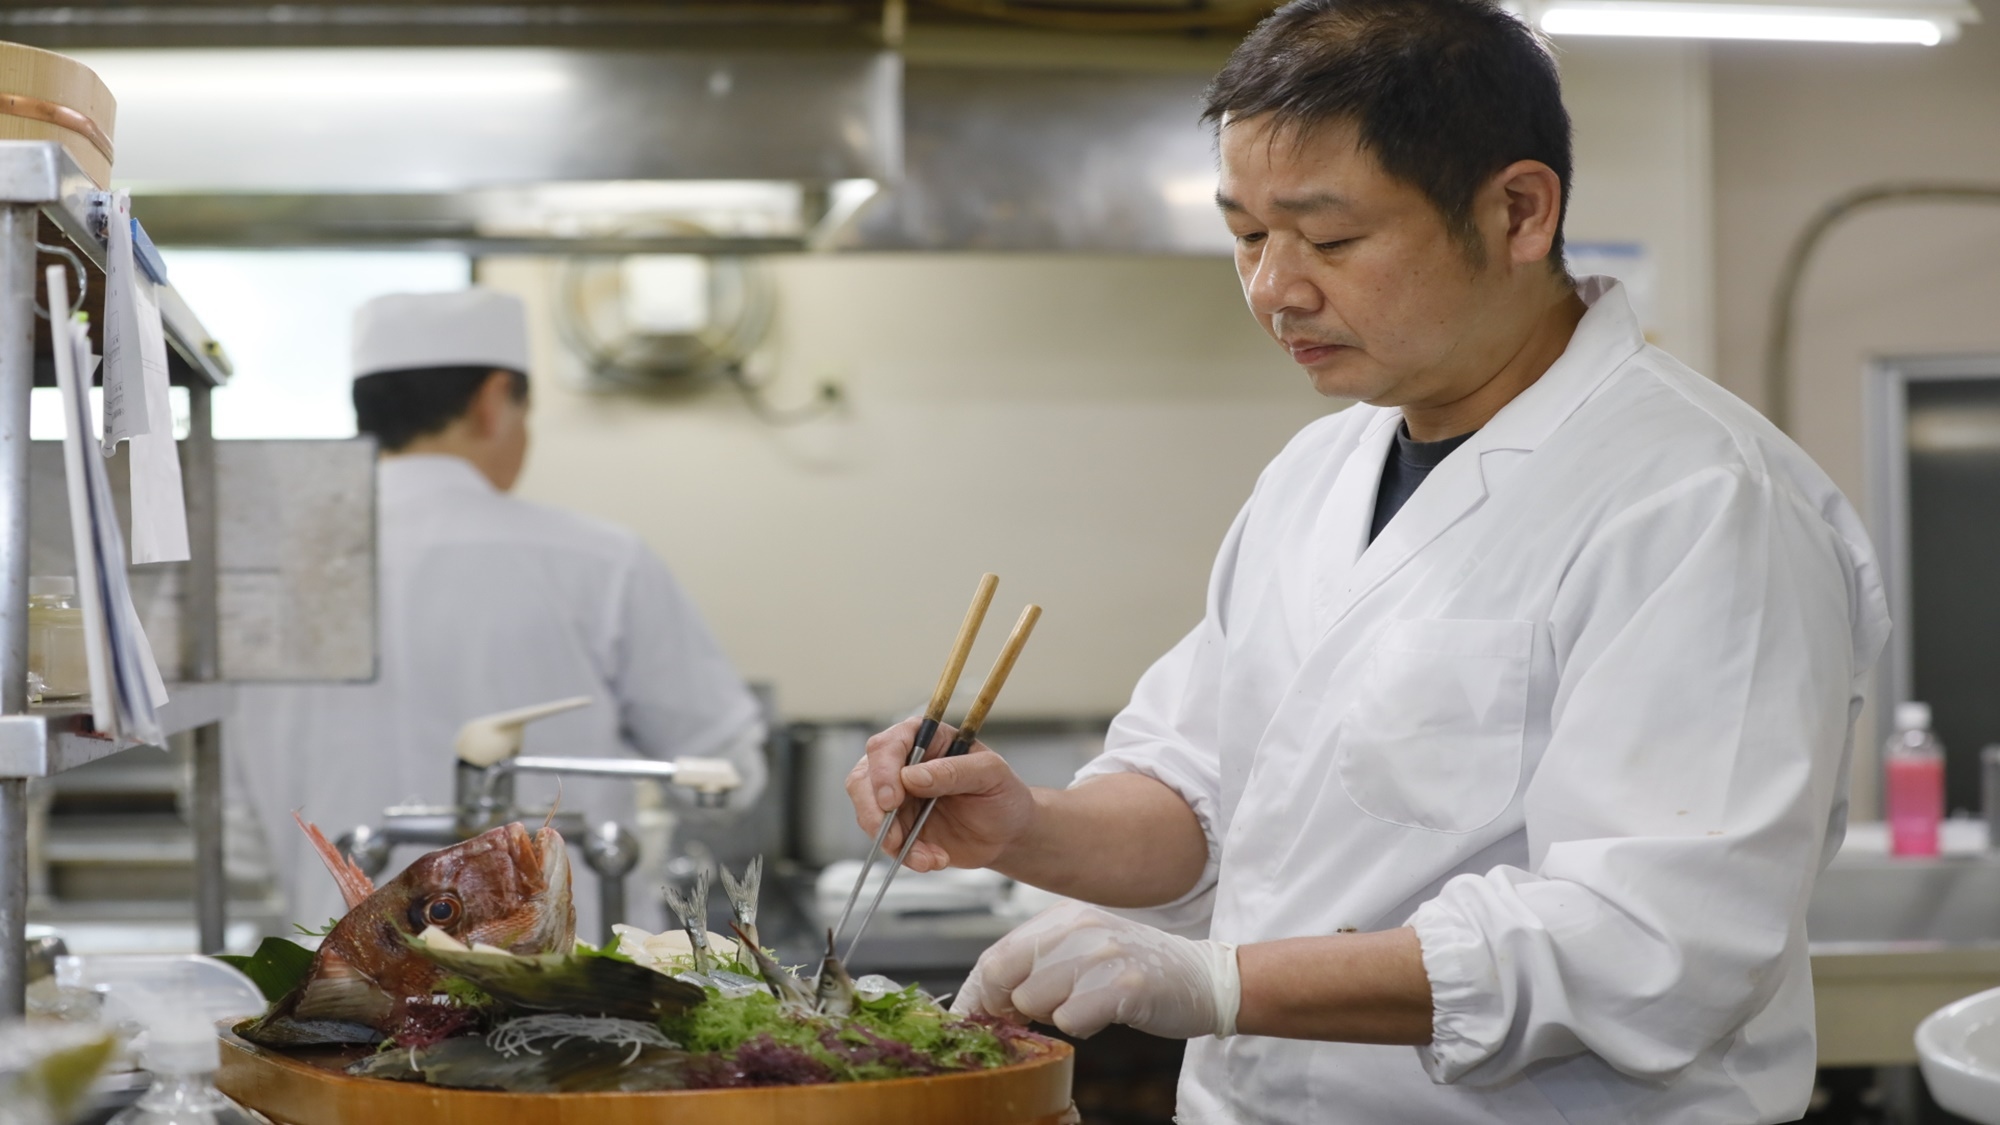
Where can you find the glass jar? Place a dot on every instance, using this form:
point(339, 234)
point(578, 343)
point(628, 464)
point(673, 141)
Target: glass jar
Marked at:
point(55, 638)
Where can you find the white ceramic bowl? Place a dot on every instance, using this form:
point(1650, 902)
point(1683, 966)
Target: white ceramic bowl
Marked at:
point(1958, 1047)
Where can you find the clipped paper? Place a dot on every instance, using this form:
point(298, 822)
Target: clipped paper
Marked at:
point(135, 364)
point(126, 689)
point(126, 412)
point(159, 505)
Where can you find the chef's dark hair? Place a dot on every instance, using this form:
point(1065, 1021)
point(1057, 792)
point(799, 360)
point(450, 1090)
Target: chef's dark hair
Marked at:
point(398, 407)
point(1443, 93)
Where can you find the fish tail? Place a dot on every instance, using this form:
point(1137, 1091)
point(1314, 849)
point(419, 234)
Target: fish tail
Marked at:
point(354, 884)
point(743, 893)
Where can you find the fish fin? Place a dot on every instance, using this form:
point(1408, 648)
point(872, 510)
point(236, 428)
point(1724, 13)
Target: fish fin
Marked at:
point(355, 885)
point(337, 991)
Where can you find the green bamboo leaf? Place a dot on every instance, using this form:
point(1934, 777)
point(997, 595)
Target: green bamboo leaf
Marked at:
point(276, 968)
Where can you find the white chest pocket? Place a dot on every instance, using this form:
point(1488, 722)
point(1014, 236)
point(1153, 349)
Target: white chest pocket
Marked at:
point(1434, 736)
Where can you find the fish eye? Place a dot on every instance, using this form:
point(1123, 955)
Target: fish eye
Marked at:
point(440, 911)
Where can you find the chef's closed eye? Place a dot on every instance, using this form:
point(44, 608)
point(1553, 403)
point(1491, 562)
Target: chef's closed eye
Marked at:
point(1434, 737)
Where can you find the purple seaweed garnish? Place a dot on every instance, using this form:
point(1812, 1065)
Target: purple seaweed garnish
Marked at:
point(426, 1025)
point(713, 1072)
point(764, 1061)
point(1018, 1040)
point(859, 1046)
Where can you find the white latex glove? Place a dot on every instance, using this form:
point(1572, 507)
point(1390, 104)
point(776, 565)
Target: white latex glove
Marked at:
point(1081, 968)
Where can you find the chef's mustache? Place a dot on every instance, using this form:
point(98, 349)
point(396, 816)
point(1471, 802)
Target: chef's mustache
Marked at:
point(1287, 330)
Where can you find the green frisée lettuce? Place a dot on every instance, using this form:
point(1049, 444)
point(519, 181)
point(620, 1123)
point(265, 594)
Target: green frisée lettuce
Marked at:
point(752, 1041)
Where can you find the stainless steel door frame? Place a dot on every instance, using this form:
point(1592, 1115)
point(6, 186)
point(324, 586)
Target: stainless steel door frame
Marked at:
point(1886, 447)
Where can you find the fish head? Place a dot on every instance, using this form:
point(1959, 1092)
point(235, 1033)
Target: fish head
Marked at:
point(833, 992)
point(507, 887)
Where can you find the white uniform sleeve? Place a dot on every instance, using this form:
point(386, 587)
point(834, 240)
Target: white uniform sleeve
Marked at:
point(1169, 732)
point(1710, 645)
point(678, 695)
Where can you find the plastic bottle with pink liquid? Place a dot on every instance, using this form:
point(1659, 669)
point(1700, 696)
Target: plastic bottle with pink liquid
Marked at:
point(1913, 782)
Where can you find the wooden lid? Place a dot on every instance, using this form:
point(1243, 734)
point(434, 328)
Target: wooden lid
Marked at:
point(49, 97)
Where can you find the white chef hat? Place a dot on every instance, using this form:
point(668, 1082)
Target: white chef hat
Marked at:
point(469, 328)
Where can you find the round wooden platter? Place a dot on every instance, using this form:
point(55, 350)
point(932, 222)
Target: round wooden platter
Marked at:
point(312, 1090)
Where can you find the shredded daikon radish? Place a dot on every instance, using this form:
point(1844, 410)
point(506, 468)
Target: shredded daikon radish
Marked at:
point(519, 1035)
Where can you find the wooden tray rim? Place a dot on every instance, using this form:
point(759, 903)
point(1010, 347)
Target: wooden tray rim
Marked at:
point(1059, 1055)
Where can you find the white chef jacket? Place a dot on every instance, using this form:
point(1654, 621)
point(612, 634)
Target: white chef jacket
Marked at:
point(1582, 715)
point(489, 603)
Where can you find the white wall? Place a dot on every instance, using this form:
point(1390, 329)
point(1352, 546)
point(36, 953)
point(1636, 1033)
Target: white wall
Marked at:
point(1084, 426)
point(1643, 173)
point(1795, 128)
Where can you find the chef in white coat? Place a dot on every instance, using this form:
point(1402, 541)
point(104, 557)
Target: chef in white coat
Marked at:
point(487, 603)
point(1495, 778)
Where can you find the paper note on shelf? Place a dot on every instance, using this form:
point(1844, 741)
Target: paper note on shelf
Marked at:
point(126, 689)
point(125, 413)
point(135, 375)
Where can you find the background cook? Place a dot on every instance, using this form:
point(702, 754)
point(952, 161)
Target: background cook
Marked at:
point(487, 603)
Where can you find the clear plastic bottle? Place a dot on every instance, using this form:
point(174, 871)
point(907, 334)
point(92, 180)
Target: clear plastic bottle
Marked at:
point(1913, 782)
point(55, 638)
point(177, 1001)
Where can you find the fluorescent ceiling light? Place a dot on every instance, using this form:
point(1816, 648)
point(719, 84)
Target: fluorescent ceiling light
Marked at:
point(1886, 22)
point(320, 76)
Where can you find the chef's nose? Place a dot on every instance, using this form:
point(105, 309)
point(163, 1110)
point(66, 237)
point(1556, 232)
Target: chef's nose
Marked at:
point(1280, 281)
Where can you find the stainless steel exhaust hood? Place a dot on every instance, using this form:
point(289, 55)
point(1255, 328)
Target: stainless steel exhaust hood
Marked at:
point(696, 151)
point(1030, 159)
point(503, 146)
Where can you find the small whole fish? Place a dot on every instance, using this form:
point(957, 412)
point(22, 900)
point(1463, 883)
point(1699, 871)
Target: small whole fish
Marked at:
point(506, 888)
point(834, 992)
point(691, 907)
point(792, 994)
point(743, 896)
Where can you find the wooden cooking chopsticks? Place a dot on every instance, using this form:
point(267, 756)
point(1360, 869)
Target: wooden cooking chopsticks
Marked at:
point(968, 732)
point(968, 632)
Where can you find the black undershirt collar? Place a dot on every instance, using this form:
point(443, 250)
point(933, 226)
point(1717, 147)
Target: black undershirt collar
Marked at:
point(1409, 462)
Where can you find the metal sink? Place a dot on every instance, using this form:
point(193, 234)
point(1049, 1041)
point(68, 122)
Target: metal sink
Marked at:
point(1894, 940)
point(1954, 899)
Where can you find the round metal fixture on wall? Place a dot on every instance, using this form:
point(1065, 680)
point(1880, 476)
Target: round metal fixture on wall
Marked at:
point(663, 323)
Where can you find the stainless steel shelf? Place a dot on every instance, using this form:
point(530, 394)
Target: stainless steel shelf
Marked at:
point(48, 740)
point(45, 197)
point(43, 174)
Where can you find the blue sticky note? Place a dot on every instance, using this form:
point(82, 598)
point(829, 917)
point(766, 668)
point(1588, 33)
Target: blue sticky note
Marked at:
point(148, 255)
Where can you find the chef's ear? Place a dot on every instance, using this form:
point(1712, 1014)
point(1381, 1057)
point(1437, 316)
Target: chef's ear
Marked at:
point(1532, 194)
point(490, 402)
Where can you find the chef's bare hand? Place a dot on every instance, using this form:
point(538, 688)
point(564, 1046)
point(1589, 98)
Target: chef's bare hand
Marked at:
point(984, 808)
point(1082, 969)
